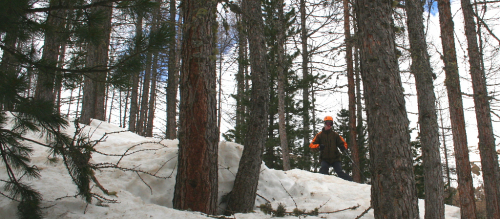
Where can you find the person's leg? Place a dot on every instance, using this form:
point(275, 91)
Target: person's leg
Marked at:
point(325, 166)
point(337, 166)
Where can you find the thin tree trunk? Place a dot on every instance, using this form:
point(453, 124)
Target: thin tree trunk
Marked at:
point(70, 102)
point(445, 148)
point(356, 175)
point(111, 106)
point(196, 185)
point(281, 86)
point(120, 107)
point(173, 78)
point(429, 130)
point(240, 81)
point(305, 73)
point(59, 77)
point(152, 98)
point(452, 82)
point(141, 123)
point(78, 98)
point(94, 91)
point(219, 92)
point(489, 157)
point(359, 113)
point(242, 197)
point(392, 195)
point(134, 105)
point(126, 107)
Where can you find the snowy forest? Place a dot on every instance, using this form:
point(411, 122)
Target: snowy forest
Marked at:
point(411, 85)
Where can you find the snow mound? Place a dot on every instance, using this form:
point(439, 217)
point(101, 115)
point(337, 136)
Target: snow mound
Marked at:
point(144, 196)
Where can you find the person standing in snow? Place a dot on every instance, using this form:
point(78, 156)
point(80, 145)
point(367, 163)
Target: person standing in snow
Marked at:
point(328, 143)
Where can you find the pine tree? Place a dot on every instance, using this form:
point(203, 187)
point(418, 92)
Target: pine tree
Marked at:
point(356, 175)
point(429, 132)
point(452, 82)
point(94, 89)
point(242, 197)
point(393, 195)
point(196, 185)
point(489, 158)
point(418, 168)
point(173, 75)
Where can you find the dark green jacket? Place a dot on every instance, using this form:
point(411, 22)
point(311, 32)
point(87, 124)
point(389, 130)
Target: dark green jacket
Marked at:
point(332, 141)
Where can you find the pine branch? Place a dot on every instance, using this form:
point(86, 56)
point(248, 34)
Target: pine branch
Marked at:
point(72, 7)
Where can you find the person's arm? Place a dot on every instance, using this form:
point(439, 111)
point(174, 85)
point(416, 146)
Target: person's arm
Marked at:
point(342, 145)
point(315, 143)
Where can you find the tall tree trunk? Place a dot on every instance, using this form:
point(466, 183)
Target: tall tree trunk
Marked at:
point(173, 78)
point(359, 114)
point(452, 82)
point(111, 105)
point(240, 81)
point(134, 96)
point(489, 157)
point(427, 115)
point(242, 198)
point(281, 85)
point(141, 123)
point(196, 185)
point(9, 62)
point(94, 91)
point(356, 175)
point(152, 98)
point(448, 194)
point(392, 195)
point(305, 73)
point(46, 77)
point(59, 77)
point(126, 108)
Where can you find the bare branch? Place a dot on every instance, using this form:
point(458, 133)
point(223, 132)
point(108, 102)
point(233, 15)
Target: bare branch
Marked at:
point(364, 212)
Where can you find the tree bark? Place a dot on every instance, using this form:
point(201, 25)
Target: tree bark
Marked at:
point(429, 130)
point(141, 123)
point(94, 90)
point(305, 73)
point(134, 96)
point(196, 185)
point(152, 98)
point(393, 192)
point(489, 157)
point(356, 175)
point(53, 37)
point(240, 81)
point(173, 78)
point(280, 38)
point(242, 197)
point(452, 82)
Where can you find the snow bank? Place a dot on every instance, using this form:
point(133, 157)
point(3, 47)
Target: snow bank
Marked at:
point(144, 196)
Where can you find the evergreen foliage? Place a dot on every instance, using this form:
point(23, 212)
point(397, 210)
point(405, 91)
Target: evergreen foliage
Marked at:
point(29, 116)
point(341, 126)
point(418, 168)
point(21, 22)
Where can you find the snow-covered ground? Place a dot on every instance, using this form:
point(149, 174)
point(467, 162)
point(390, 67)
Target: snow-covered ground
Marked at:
point(145, 196)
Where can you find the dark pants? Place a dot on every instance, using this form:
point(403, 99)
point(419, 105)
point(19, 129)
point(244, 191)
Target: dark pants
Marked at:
point(337, 166)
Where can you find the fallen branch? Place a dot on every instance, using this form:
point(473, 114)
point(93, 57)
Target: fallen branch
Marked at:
point(263, 198)
point(349, 208)
point(364, 212)
point(289, 195)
